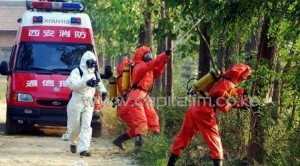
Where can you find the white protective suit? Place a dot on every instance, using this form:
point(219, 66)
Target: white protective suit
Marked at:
point(81, 106)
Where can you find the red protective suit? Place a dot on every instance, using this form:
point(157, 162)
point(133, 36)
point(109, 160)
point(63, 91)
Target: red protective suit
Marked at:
point(200, 116)
point(123, 112)
point(140, 104)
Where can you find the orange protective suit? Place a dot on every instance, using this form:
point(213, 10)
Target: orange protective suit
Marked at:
point(200, 116)
point(123, 111)
point(139, 103)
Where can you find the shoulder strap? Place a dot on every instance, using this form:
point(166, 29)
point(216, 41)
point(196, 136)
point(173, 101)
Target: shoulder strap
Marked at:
point(134, 85)
point(96, 75)
point(80, 71)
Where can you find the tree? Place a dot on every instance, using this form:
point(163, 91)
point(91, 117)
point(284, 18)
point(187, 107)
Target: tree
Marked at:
point(148, 23)
point(161, 44)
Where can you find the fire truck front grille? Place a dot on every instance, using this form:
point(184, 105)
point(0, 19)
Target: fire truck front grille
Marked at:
point(53, 103)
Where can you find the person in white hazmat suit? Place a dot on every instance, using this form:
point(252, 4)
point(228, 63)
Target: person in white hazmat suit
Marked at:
point(81, 105)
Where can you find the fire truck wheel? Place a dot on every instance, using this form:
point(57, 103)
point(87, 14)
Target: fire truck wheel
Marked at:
point(97, 127)
point(11, 127)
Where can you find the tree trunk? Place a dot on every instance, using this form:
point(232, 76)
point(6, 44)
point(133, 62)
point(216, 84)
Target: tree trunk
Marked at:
point(142, 36)
point(276, 90)
point(108, 61)
point(204, 58)
point(169, 75)
point(169, 69)
point(101, 60)
point(161, 45)
point(286, 69)
point(256, 151)
point(148, 24)
point(228, 52)
point(250, 48)
point(220, 58)
point(163, 83)
point(292, 118)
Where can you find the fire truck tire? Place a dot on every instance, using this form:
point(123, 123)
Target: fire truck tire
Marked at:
point(97, 127)
point(11, 127)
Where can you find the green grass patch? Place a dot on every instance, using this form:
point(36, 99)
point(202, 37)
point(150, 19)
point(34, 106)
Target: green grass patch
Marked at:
point(155, 150)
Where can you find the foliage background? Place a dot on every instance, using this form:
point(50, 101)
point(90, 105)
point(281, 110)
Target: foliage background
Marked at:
point(234, 28)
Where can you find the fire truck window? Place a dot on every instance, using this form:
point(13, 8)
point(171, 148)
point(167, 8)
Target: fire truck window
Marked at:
point(50, 55)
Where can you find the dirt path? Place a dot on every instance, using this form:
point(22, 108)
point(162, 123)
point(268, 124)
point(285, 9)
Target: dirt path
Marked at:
point(43, 147)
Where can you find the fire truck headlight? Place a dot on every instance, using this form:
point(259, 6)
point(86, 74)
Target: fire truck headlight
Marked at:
point(25, 97)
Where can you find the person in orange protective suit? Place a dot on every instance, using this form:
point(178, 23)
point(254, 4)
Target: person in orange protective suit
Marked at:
point(200, 115)
point(141, 110)
point(122, 109)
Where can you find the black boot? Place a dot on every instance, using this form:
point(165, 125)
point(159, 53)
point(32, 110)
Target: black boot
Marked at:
point(120, 139)
point(217, 162)
point(85, 153)
point(73, 148)
point(172, 160)
point(138, 144)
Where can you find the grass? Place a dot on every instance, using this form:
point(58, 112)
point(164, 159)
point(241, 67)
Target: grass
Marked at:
point(155, 151)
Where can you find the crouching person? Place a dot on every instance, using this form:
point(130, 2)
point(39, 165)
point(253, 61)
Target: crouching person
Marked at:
point(201, 116)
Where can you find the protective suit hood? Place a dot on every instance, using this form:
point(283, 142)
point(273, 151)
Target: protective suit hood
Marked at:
point(139, 53)
point(86, 56)
point(238, 73)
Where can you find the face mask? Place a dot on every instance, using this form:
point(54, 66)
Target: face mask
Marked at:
point(147, 57)
point(91, 63)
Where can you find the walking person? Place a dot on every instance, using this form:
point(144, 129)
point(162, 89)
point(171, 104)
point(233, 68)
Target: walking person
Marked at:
point(81, 105)
point(140, 107)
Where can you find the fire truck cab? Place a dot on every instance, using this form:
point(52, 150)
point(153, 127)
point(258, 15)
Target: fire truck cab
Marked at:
point(50, 41)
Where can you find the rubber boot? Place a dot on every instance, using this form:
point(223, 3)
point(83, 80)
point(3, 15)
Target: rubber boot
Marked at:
point(138, 144)
point(73, 148)
point(217, 162)
point(120, 139)
point(172, 160)
point(85, 153)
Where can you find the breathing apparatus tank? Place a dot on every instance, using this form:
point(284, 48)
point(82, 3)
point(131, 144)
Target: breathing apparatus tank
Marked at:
point(126, 78)
point(204, 84)
point(113, 88)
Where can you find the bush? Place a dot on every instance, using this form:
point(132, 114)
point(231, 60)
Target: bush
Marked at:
point(171, 119)
point(155, 151)
point(111, 122)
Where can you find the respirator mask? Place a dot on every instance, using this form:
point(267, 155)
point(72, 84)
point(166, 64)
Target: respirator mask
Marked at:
point(91, 64)
point(147, 57)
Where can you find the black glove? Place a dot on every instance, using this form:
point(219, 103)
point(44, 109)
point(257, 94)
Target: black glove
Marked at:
point(168, 52)
point(246, 92)
point(104, 95)
point(107, 73)
point(92, 82)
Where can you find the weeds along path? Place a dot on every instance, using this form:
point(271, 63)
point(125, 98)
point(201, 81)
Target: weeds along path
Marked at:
point(42, 146)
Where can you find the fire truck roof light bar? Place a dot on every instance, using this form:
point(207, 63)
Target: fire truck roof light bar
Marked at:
point(63, 6)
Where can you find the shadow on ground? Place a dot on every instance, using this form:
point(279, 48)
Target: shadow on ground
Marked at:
point(49, 131)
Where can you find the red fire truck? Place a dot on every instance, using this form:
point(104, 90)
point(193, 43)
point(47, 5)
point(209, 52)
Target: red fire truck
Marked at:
point(50, 42)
